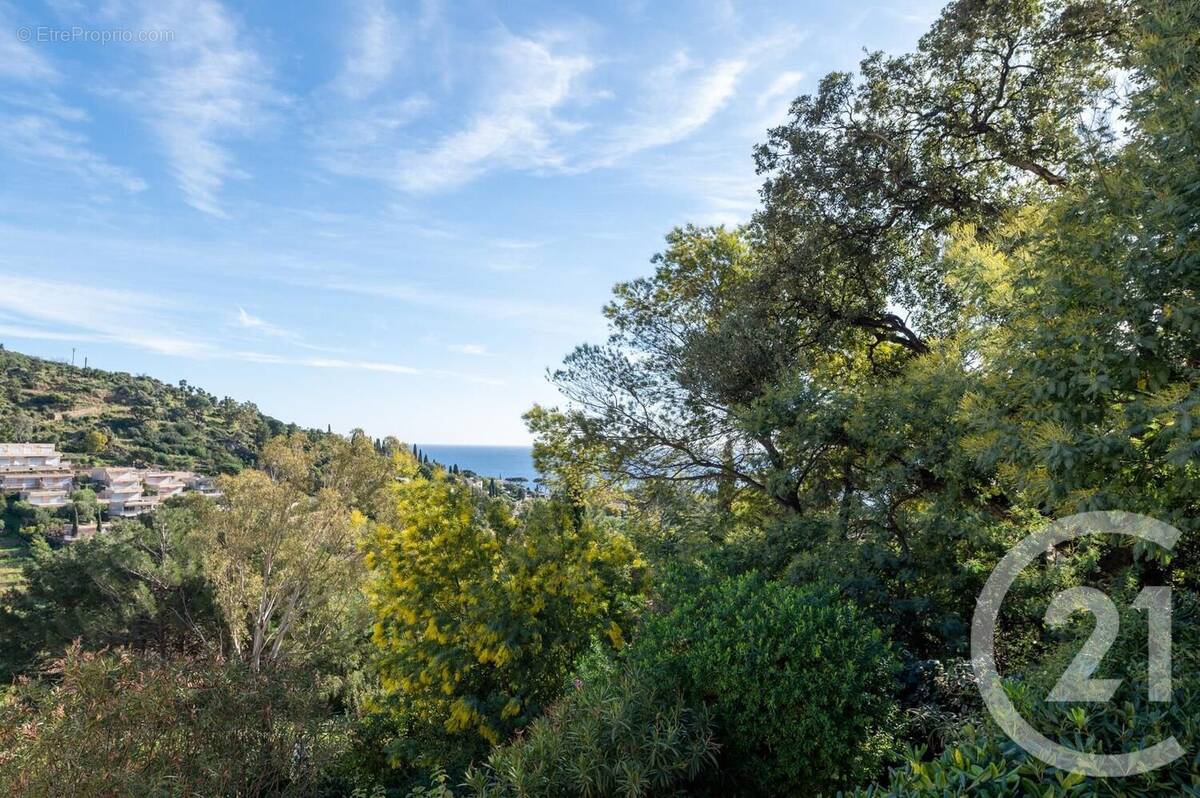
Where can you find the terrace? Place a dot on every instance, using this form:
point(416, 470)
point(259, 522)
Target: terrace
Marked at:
point(36, 473)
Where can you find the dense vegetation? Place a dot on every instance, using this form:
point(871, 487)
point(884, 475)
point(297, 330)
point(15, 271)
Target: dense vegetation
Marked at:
point(13, 550)
point(968, 305)
point(113, 418)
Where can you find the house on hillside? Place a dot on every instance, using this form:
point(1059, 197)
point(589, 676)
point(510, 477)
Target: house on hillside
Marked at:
point(122, 494)
point(34, 455)
point(129, 492)
point(40, 475)
point(165, 484)
point(202, 484)
point(36, 472)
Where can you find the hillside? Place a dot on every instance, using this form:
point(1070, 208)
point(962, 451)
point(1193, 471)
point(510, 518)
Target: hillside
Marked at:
point(115, 418)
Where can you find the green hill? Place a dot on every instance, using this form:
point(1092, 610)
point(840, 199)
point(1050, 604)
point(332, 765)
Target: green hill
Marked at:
point(115, 418)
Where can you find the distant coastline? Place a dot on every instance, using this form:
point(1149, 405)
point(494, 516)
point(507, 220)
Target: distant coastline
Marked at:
point(486, 461)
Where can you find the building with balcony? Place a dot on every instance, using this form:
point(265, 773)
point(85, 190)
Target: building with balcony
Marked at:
point(43, 498)
point(35, 455)
point(36, 472)
point(129, 492)
point(122, 493)
point(204, 485)
point(165, 484)
point(39, 474)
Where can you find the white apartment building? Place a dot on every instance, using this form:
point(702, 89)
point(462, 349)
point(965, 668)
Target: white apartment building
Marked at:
point(129, 492)
point(203, 484)
point(36, 472)
point(29, 454)
point(122, 493)
point(165, 484)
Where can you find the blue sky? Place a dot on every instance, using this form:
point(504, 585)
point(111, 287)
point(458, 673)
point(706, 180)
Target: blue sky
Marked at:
point(378, 214)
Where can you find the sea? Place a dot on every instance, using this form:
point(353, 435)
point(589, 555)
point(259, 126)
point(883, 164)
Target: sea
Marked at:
point(486, 461)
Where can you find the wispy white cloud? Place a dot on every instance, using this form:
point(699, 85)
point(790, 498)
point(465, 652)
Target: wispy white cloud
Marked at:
point(324, 362)
point(361, 116)
point(252, 322)
point(681, 96)
point(524, 125)
point(910, 14)
point(378, 41)
point(518, 123)
point(30, 333)
point(548, 102)
point(130, 318)
point(716, 184)
point(783, 89)
point(43, 102)
point(508, 255)
point(537, 111)
point(206, 87)
point(19, 60)
point(360, 365)
point(517, 244)
point(353, 141)
point(43, 139)
point(468, 349)
point(712, 171)
point(113, 315)
point(475, 378)
point(533, 315)
point(35, 124)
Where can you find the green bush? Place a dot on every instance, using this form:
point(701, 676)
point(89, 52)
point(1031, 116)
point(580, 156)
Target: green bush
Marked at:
point(984, 762)
point(613, 735)
point(122, 724)
point(137, 586)
point(799, 681)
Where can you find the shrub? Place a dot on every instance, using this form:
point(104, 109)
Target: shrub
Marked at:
point(95, 441)
point(613, 735)
point(117, 724)
point(137, 586)
point(480, 615)
point(984, 762)
point(798, 681)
